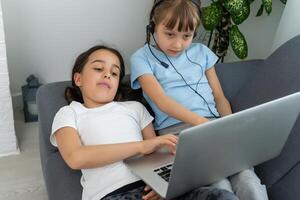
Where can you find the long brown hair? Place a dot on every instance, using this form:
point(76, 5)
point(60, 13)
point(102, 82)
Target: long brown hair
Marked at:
point(73, 93)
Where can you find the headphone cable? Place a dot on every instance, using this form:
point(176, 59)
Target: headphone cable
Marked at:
point(202, 71)
point(185, 80)
point(165, 65)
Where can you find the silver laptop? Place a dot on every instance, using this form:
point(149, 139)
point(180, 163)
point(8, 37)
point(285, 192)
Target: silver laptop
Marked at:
point(217, 149)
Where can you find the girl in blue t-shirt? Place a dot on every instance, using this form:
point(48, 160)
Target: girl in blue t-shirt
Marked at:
point(180, 83)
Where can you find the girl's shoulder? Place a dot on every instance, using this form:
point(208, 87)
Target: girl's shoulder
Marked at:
point(71, 109)
point(132, 105)
point(140, 52)
point(198, 46)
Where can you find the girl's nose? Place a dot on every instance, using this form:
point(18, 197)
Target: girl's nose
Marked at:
point(178, 44)
point(107, 75)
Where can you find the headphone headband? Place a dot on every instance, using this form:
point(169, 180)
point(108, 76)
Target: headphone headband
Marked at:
point(158, 2)
point(151, 25)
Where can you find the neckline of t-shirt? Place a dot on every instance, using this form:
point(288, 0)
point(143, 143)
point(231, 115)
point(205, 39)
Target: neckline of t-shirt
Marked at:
point(104, 107)
point(162, 54)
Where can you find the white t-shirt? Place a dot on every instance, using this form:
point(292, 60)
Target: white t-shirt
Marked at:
point(115, 122)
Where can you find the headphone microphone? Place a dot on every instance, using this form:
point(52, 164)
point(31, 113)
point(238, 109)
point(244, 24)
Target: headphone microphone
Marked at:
point(150, 31)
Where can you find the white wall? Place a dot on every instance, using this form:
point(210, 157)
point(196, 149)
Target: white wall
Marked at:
point(8, 141)
point(289, 25)
point(44, 36)
point(259, 31)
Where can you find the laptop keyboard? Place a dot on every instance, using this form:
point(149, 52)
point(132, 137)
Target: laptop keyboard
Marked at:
point(164, 171)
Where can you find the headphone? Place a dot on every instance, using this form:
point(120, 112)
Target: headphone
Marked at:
point(151, 26)
point(150, 32)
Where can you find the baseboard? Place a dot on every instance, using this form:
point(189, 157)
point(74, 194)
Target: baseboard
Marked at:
point(15, 152)
point(17, 101)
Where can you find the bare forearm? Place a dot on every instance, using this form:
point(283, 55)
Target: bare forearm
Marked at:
point(223, 107)
point(100, 155)
point(176, 110)
point(152, 88)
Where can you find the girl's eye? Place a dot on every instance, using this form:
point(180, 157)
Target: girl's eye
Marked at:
point(169, 34)
point(188, 36)
point(100, 69)
point(114, 74)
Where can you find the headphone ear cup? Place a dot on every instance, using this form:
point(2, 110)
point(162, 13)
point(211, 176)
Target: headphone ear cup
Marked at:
point(150, 27)
point(149, 30)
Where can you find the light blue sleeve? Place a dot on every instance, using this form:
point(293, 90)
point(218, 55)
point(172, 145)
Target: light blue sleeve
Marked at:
point(210, 57)
point(139, 66)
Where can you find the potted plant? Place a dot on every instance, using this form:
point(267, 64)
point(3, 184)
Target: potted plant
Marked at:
point(222, 18)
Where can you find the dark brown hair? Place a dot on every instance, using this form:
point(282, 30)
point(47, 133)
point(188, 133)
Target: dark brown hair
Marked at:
point(73, 93)
point(184, 12)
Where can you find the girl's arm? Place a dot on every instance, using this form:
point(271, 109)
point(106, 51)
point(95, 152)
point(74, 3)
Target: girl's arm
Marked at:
point(78, 156)
point(222, 104)
point(166, 104)
point(148, 132)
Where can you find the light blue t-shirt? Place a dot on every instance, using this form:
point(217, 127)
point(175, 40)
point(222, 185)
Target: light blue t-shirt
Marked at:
point(188, 64)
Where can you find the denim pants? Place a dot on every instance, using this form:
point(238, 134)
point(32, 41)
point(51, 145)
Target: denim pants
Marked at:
point(203, 193)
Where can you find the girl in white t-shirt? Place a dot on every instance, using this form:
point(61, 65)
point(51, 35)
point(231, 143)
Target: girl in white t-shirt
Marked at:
point(96, 132)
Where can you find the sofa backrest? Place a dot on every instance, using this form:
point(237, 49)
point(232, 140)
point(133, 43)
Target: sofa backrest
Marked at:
point(279, 75)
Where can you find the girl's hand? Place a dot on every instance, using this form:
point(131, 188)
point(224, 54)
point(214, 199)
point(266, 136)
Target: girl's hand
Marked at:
point(150, 194)
point(201, 120)
point(150, 145)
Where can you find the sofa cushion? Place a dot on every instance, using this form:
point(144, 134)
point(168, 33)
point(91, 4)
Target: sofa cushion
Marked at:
point(288, 186)
point(233, 76)
point(279, 75)
point(62, 182)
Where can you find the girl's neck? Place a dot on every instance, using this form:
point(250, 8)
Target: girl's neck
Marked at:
point(92, 104)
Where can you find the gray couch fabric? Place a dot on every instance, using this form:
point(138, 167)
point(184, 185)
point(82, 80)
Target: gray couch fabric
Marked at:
point(245, 84)
point(62, 182)
point(279, 75)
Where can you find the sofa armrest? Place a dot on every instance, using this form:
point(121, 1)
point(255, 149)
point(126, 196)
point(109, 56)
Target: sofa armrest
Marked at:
point(62, 182)
point(234, 75)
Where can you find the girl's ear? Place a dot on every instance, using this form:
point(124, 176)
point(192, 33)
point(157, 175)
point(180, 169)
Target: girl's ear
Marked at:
point(77, 79)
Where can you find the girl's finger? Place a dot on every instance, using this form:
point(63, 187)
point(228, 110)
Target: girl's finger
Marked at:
point(147, 188)
point(150, 195)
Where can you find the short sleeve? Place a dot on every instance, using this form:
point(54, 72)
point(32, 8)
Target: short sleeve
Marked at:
point(139, 66)
point(65, 117)
point(210, 57)
point(144, 116)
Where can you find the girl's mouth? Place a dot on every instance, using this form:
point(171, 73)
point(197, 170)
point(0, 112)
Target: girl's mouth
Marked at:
point(174, 52)
point(104, 85)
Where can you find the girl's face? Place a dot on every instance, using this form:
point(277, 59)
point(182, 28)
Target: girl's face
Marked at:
point(172, 42)
point(99, 78)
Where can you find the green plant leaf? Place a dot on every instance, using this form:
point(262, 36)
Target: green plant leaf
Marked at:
point(234, 6)
point(238, 42)
point(242, 14)
point(211, 16)
point(283, 1)
point(260, 11)
point(251, 1)
point(238, 9)
point(268, 5)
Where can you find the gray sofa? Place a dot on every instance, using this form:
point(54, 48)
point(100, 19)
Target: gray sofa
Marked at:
point(245, 83)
